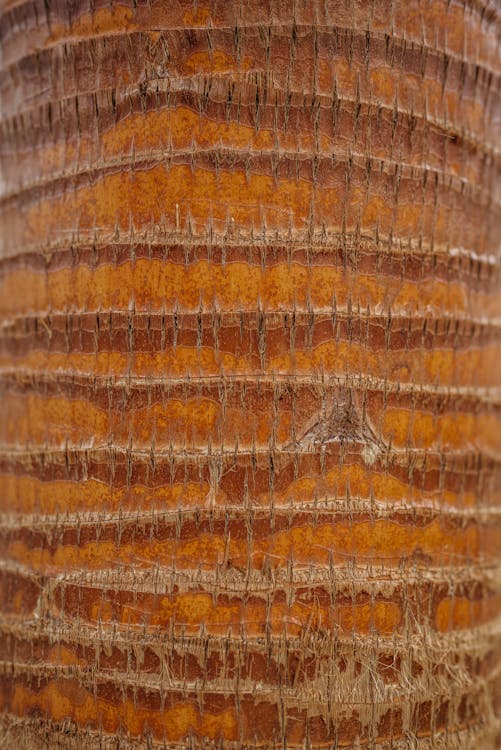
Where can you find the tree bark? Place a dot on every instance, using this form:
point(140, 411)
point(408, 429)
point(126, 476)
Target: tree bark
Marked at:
point(250, 367)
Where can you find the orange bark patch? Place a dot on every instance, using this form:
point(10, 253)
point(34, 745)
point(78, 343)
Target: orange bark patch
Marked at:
point(103, 21)
point(192, 611)
point(442, 366)
point(175, 196)
point(459, 612)
point(25, 494)
point(29, 495)
point(67, 699)
point(35, 420)
point(419, 429)
point(154, 285)
point(380, 541)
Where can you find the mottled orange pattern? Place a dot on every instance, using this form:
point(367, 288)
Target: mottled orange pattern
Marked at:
point(250, 373)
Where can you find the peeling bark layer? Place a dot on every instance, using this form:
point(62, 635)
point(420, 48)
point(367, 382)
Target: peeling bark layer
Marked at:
point(250, 364)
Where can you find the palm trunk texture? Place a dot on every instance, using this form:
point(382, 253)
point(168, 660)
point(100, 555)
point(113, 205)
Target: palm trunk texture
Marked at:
point(250, 364)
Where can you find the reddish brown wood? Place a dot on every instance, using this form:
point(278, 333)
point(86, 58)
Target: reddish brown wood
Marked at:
point(250, 364)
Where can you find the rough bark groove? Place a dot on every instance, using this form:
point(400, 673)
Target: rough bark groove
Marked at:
point(250, 364)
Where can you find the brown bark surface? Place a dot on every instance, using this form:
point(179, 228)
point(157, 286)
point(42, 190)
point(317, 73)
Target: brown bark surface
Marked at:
point(250, 366)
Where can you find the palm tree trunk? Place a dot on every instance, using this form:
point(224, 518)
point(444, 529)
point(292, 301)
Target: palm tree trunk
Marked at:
point(250, 368)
